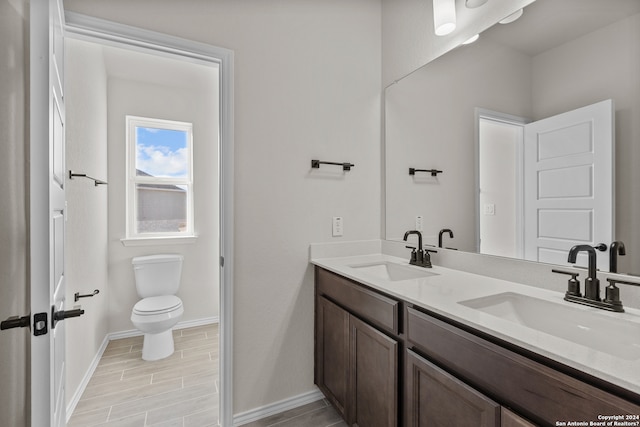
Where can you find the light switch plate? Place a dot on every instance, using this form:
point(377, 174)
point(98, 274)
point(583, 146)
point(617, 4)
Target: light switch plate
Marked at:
point(337, 226)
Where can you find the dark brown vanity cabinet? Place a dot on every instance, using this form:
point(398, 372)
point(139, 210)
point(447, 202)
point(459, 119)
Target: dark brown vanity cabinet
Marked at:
point(384, 362)
point(356, 364)
point(541, 393)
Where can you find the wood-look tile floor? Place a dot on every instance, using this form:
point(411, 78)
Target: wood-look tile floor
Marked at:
point(317, 414)
point(179, 391)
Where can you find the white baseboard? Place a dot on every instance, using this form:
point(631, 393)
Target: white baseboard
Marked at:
point(117, 335)
point(180, 325)
point(87, 376)
point(277, 407)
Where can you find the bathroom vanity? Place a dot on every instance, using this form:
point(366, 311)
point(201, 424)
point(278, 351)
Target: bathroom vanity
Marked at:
point(398, 345)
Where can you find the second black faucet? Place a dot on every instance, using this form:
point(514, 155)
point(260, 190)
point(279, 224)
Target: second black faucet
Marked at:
point(419, 256)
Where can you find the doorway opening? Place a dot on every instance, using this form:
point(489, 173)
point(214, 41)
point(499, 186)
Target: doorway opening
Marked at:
point(499, 163)
point(135, 72)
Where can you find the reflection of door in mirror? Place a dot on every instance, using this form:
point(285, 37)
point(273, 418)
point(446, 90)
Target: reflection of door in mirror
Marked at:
point(568, 183)
point(500, 142)
point(545, 186)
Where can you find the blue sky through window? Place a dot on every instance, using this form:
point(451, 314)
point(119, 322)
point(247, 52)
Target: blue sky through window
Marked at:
point(161, 152)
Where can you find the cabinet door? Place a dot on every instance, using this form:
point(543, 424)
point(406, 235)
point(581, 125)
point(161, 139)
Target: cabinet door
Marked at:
point(374, 377)
point(435, 398)
point(332, 353)
point(510, 419)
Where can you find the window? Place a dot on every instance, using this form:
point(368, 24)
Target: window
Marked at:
point(159, 178)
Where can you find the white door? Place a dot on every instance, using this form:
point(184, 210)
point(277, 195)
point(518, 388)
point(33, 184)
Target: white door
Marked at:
point(568, 183)
point(47, 211)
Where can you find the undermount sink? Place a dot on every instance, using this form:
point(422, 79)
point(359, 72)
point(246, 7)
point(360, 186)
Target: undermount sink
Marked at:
point(392, 271)
point(617, 337)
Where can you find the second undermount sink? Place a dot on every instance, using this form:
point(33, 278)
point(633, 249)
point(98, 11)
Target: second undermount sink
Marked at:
point(617, 337)
point(393, 272)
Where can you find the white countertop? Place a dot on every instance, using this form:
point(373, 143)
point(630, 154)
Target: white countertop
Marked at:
point(441, 293)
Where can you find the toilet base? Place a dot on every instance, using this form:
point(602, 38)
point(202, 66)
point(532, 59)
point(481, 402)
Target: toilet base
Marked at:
point(157, 346)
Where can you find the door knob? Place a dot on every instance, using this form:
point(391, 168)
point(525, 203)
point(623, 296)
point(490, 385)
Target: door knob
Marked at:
point(56, 316)
point(15, 322)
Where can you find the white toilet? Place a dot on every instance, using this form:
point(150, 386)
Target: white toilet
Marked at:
point(157, 281)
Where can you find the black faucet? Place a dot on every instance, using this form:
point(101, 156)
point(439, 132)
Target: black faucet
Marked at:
point(591, 283)
point(419, 256)
point(591, 296)
point(616, 248)
point(444, 230)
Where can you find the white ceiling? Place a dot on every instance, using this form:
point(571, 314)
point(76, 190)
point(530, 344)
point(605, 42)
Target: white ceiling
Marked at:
point(161, 70)
point(549, 23)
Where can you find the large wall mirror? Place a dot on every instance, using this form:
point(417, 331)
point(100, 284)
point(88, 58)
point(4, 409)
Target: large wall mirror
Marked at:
point(473, 113)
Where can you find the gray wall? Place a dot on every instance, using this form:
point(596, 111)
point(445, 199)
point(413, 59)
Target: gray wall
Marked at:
point(14, 343)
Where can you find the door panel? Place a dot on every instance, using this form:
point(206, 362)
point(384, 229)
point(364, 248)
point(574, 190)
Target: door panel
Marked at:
point(47, 209)
point(568, 183)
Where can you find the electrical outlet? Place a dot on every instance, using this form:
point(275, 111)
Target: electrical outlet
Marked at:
point(337, 226)
point(419, 222)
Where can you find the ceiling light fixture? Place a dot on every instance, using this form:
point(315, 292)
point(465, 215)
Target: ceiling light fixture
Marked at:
point(472, 4)
point(509, 19)
point(472, 39)
point(444, 16)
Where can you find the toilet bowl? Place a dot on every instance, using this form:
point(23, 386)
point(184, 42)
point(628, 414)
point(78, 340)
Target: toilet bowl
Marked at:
point(159, 310)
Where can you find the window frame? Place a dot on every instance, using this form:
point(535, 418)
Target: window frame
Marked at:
point(132, 179)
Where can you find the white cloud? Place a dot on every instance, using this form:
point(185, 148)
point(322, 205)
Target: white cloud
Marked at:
point(162, 161)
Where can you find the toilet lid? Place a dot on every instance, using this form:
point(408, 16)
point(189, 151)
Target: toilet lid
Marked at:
point(152, 305)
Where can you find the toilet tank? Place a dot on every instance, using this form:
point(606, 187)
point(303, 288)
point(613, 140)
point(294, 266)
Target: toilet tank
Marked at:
point(157, 274)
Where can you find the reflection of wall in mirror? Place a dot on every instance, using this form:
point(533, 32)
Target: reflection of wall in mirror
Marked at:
point(430, 123)
point(430, 117)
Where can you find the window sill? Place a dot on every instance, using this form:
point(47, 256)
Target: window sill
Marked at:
point(153, 241)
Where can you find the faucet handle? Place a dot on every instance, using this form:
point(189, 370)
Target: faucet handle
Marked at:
point(573, 285)
point(600, 247)
point(414, 255)
point(612, 293)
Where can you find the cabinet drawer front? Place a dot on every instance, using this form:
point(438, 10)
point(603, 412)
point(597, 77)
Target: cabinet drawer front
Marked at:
point(378, 309)
point(535, 390)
